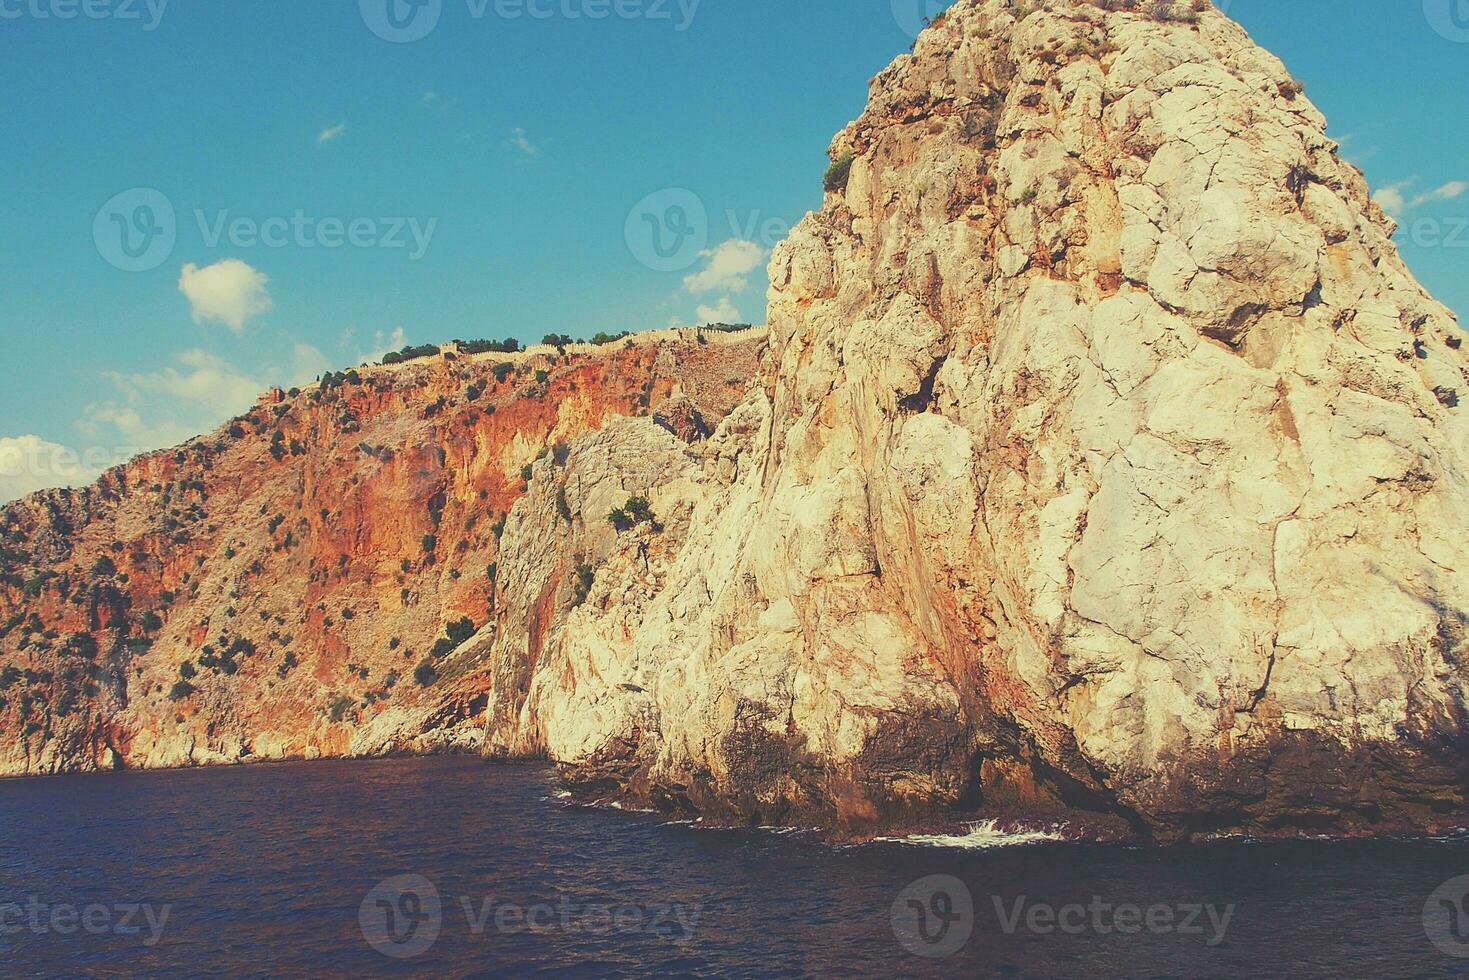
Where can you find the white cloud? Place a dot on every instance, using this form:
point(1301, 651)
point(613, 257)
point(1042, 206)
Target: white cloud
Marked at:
point(306, 363)
point(29, 463)
point(522, 142)
point(1395, 201)
point(163, 408)
point(228, 291)
point(1448, 192)
point(726, 268)
point(132, 430)
point(332, 133)
point(722, 312)
point(1391, 199)
point(382, 343)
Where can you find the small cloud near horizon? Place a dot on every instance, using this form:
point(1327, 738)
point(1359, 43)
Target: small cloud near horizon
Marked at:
point(1448, 192)
point(195, 394)
point(146, 412)
point(522, 142)
point(29, 463)
point(1394, 200)
point(726, 271)
point(331, 133)
point(383, 343)
point(726, 267)
point(724, 311)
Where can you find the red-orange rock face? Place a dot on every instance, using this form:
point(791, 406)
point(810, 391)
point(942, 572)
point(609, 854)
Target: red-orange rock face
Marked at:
point(277, 589)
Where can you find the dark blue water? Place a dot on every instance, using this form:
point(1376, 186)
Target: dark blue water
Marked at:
point(455, 867)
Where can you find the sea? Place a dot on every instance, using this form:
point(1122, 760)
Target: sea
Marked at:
point(457, 867)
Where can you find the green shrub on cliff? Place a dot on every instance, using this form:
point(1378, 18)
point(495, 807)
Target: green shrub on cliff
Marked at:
point(585, 576)
point(339, 709)
point(425, 674)
point(455, 636)
point(462, 630)
point(636, 511)
point(838, 173)
point(181, 690)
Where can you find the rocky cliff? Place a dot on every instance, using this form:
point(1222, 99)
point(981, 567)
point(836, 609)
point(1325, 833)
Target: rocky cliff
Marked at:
point(303, 582)
point(1106, 466)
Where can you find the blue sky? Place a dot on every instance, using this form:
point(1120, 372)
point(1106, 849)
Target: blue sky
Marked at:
point(482, 178)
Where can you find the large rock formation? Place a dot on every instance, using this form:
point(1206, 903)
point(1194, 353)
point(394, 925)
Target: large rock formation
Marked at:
point(302, 583)
point(1105, 465)
point(1108, 464)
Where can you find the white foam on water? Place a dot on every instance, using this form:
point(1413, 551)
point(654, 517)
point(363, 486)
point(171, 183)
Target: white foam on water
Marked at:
point(617, 805)
point(982, 836)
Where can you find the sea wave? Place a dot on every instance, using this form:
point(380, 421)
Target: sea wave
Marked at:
point(982, 836)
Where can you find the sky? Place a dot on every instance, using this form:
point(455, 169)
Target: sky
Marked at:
point(202, 198)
